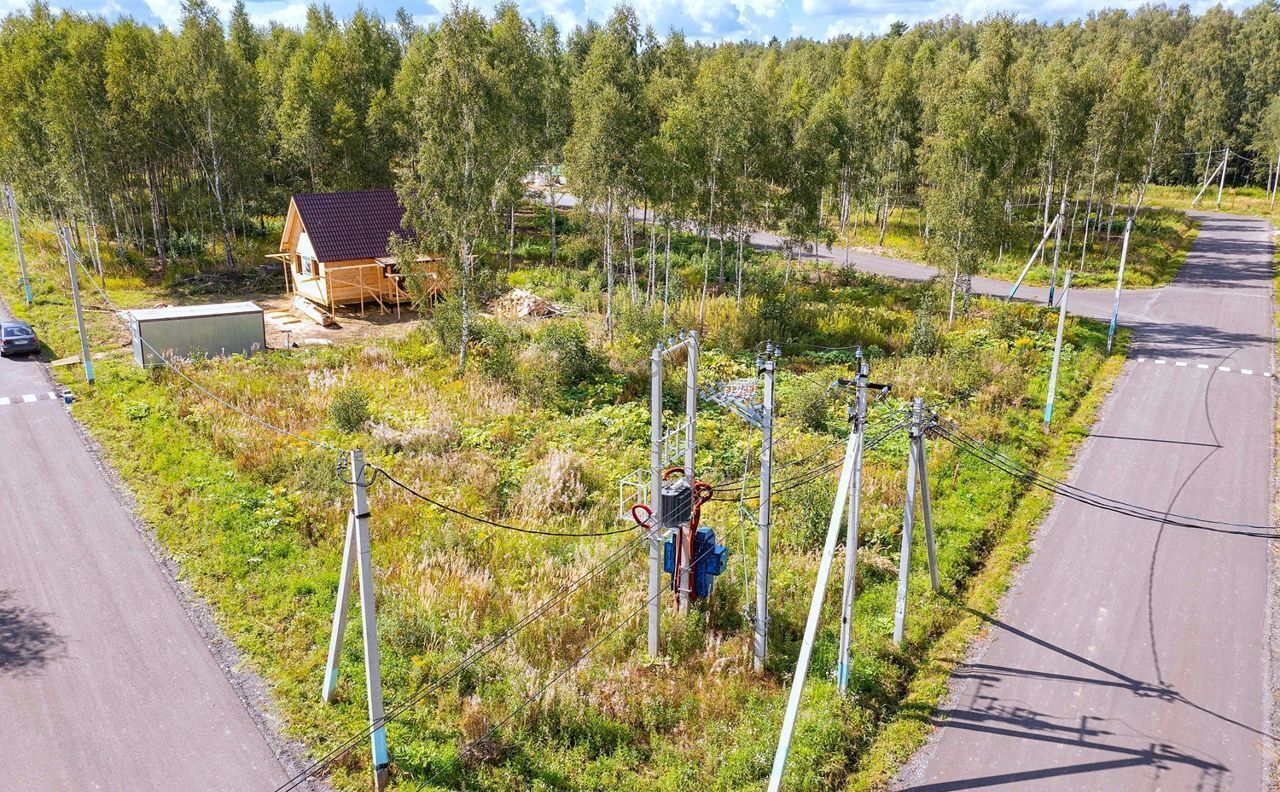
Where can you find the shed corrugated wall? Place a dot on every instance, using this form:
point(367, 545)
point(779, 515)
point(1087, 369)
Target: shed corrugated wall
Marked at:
point(211, 336)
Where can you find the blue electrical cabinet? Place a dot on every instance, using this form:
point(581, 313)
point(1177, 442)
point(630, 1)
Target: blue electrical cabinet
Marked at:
point(711, 560)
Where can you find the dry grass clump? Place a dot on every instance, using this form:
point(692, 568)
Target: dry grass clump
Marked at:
point(436, 434)
point(554, 486)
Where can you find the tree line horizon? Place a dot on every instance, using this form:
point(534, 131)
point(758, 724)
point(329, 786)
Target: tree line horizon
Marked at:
point(162, 141)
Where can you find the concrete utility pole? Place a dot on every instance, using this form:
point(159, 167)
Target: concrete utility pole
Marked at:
point(656, 516)
point(851, 525)
point(65, 235)
point(1057, 244)
point(683, 575)
point(356, 550)
point(1032, 259)
point(684, 591)
point(1222, 177)
point(1222, 167)
point(1057, 351)
point(1275, 186)
point(815, 611)
point(1115, 306)
point(766, 368)
point(17, 241)
point(917, 472)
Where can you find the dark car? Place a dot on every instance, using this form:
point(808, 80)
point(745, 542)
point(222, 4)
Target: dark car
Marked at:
point(17, 338)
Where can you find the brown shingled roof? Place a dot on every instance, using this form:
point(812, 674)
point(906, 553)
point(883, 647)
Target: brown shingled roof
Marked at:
point(344, 226)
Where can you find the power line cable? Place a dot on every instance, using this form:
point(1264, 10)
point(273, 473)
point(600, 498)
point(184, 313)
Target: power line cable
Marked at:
point(996, 459)
point(484, 649)
point(537, 694)
point(486, 521)
point(206, 391)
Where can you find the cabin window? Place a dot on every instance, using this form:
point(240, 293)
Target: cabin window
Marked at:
point(308, 266)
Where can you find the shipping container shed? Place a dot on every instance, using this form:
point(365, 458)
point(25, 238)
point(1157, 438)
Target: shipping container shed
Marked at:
point(191, 331)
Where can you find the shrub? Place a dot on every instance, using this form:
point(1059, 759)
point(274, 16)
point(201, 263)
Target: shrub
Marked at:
point(349, 409)
point(813, 406)
point(926, 338)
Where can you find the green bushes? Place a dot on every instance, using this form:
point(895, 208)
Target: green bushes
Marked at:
point(349, 410)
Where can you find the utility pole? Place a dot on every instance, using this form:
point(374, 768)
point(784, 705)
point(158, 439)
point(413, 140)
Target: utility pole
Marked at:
point(1057, 351)
point(17, 241)
point(1275, 186)
point(851, 524)
point(655, 496)
point(658, 530)
point(1222, 177)
point(1032, 259)
point(684, 589)
point(766, 368)
point(1115, 306)
point(1222, 167)
point(356, 550)
point(917, 472)
point(65, 235)
point(1057, 244)
point(811, 625)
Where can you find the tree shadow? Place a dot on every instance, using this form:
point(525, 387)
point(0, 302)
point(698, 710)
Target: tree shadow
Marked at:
point(27, 641)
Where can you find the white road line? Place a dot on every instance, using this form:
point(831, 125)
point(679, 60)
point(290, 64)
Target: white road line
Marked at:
point(1141, 360)
point(1202, 365)
point(28, 397)
point(1161, 362)
point(1224, 368)
point(1182, 363)
point(51, 396)
point(1246, 371)
point(4, 400)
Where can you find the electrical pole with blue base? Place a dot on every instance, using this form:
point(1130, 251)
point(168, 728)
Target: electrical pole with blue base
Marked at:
point(17, 241)
point(356, 551)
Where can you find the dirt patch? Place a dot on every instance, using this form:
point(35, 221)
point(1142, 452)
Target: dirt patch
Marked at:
point(286, 326)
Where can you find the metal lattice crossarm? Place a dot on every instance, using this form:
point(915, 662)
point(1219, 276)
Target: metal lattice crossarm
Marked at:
point(738, 396)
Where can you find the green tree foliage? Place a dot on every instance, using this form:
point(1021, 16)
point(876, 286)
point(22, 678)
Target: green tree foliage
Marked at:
point(173, 142)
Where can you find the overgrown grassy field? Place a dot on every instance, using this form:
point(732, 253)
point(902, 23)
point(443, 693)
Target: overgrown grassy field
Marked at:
point(1235, 200)
point(1158, 247)
point(537, 433)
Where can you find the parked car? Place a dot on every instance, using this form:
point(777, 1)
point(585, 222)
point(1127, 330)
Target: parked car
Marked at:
point(17, 338)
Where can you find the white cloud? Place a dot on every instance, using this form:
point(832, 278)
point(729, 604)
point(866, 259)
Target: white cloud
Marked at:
point(290, 14)
point(169, 12)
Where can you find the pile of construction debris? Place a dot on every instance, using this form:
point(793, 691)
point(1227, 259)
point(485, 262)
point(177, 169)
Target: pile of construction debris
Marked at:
point(521, 304)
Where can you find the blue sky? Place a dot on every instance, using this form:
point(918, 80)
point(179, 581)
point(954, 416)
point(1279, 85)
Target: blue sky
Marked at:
point(706, 20)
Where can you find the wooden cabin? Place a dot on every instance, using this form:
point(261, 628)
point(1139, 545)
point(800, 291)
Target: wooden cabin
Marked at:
point(335, 249)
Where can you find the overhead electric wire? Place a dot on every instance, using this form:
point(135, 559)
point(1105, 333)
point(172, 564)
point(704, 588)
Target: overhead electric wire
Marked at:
point(813, 474)
point(206, 391)
point(485, 648)
point(485, 520)
point(998, 460)
point(537, 694)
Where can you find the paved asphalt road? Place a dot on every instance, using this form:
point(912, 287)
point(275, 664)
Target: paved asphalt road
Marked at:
point(105, 682)
point(1133, 655)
